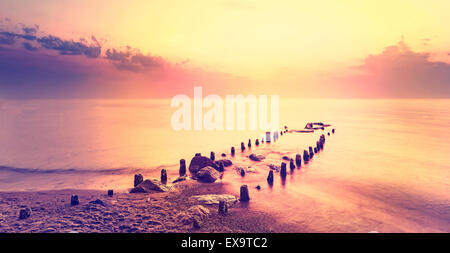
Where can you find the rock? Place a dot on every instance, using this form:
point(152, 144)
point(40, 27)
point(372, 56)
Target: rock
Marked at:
point(199, 162)
point(328, 133)
point(242, 172)
point(211, 199)
point(291, 164)
point(164, 176)
point(286, 158)
point(110, 193)
point(242, 146)
point(223, 155)
point(24, 213)
point(150, 185)
point(198, 154)
point(258, 187)
point(283, 172)
point(223, 207)
point(244, 196)
point(195, 215)
point(212, 156)
point(97, 202)
point(138, 178)
point(332, 130)
point(232, 151)
point(182, 167)
point(74, 200)
point(179, 179)
point(226, 162)
point(221, 168)
point(298, 160)
point(207, 174)
point(257, 158)
point(274, 167)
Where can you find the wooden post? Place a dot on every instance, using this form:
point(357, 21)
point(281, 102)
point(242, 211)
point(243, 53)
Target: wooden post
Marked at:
point(298, 160)
point(244, 196)
point(164, 176)
point(182, 167)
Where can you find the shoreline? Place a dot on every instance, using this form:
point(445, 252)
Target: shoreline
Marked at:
point(156, 212)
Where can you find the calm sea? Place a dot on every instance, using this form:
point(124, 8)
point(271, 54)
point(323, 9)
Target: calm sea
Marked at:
point(386, 169)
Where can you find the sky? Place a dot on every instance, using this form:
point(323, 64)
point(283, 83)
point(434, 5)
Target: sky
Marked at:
point(158, 49)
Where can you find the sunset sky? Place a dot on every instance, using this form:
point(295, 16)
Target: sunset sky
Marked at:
point(116, 49)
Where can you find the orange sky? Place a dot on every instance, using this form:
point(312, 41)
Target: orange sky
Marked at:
point(295, 43)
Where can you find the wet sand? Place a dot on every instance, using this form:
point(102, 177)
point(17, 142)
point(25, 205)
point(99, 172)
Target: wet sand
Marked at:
point(127, 213)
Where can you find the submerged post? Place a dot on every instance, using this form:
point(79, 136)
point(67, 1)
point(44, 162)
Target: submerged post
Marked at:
point(244, 196)
point(213, 156)
point(249, 143)
point(257, 142)
point(138, 178)
point(242, 146)
point(270, 177)
point(232, 151)
point(283, 172)
point(163, 176)
point(298, 160)
point(292, 165)
point(223, 207)
point(182, 167)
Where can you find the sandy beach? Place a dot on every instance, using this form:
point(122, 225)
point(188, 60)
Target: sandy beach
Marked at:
point(126, 213)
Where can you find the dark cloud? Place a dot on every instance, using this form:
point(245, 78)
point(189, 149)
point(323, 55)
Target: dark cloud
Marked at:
point(28, 46)
point(66, 47)
point(133, 60)
point(7, 38)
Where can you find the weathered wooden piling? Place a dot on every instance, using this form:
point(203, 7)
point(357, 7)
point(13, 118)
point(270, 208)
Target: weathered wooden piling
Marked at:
point(292, 165)
point(138, 178)
point(267, 136)
point(257, 142)
point(281, 133)
point(298, 160)
point(244, 195)
point(332, 130)
point(283, 171)
point(328, 133)
point(311, 152)
point(305, 156)
point(270, 177)
point(315, 150)
point(223, 207)
point(74, 200)
point(232, 151)
point(110, 193)
point(249, 143)
point(164, 176)
point(212, 156)
point(242, 146)
point(182, 167)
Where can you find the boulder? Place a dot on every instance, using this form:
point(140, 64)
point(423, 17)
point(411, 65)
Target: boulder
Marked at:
point(223, 155)
point(150, 185)
point(256, 158)
point(286, 158)
point(207, 174)
point(195, 215)
point(110, 193)
point(97, 202)
point(24, 213)
point(199, 162)
point(225, 162)
point(211, 199)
